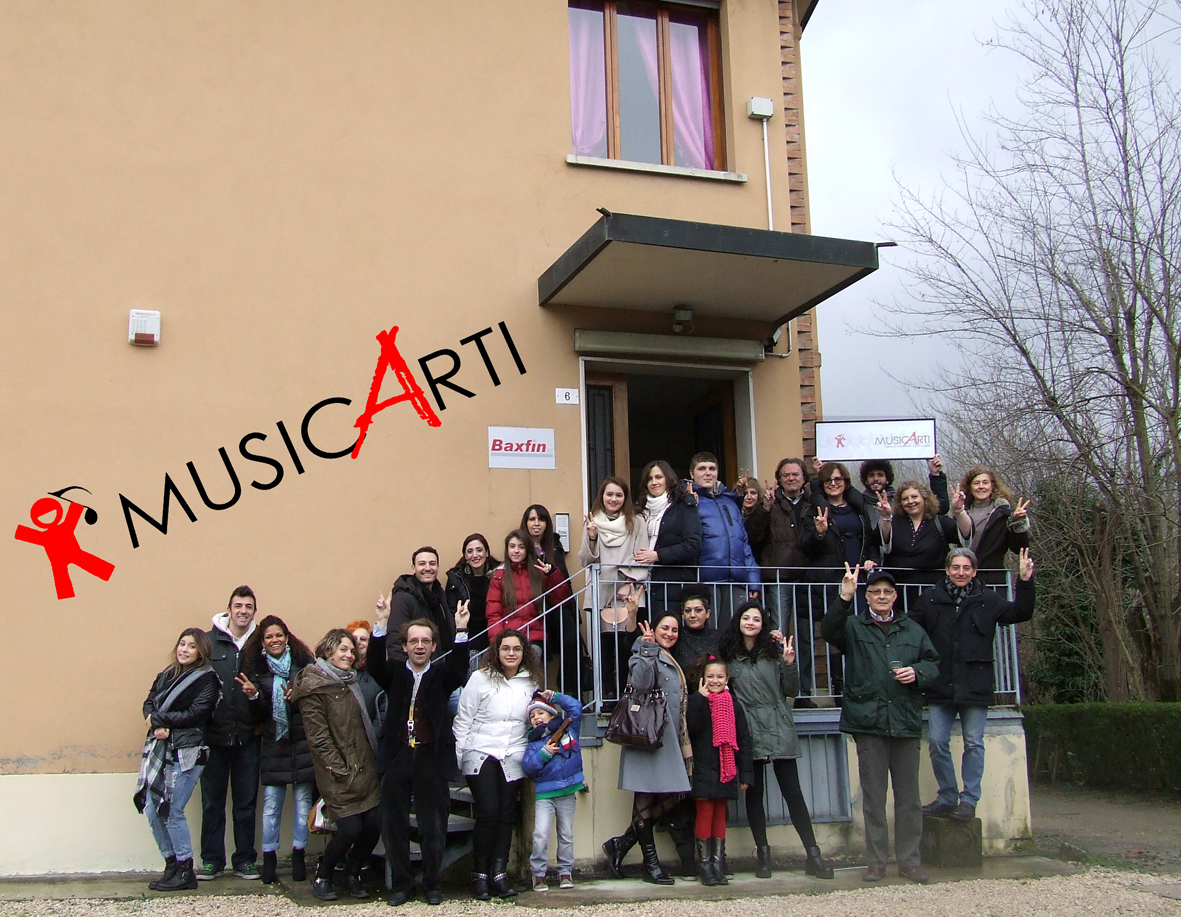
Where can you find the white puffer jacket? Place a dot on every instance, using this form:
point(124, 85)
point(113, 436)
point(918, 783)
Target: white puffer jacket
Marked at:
point(491, 723)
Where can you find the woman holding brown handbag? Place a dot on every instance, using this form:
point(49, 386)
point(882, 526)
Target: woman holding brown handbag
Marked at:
point(658, 776)
point(612, 535)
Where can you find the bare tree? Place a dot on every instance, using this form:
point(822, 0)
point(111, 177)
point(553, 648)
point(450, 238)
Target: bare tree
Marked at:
point(1053, 257)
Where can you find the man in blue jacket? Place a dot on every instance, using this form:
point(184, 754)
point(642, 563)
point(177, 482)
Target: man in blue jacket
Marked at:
point(726, 556)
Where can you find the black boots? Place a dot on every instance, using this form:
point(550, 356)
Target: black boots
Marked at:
point(653, 871)
point(500, 884)
point(682, 834)
point(763, 867)
point(269, 865)
point(183, 879)
point(724, 870)
point(815, 865)
point(480, 890)
point(616, 848)
point(356, 886)
point(705, 870)
point(169, 871)
point(717, 859)
point(299, 866)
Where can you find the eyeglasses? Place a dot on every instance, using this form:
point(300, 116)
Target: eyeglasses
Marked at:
point(876, 592)
point(836, 479)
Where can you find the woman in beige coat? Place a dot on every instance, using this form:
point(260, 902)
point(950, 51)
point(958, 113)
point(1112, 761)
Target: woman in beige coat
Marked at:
point(343, 742)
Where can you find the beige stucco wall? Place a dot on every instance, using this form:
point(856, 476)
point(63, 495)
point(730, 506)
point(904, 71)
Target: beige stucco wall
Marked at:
point(282, 181)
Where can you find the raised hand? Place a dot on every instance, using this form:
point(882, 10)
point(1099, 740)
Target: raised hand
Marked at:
point(822, 521)
point(768, 495)
point(1025, 565)
point(1021, 510)
point(462, 614)
point(701, 688)
point(592, 530)
point(958, 501)
point(935, 465)
point(817, 466)
point(544, 567)
point(646, 633)
point(849, 582)
point(381, 613)
point(247, 685)
point(789, 650)
point(885, 510)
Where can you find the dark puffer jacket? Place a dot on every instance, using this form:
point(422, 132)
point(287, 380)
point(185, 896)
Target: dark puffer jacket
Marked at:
point(964, 639)
point(465, 586)
point(999, 535)
point(875, 701)
point(678, 542)
point(411, 599)
point(233, 722)
point(288, 760)
point(188, 715)
point(707, 763)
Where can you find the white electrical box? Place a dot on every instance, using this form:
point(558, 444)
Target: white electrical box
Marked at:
point(143, 328)
point(760, 108)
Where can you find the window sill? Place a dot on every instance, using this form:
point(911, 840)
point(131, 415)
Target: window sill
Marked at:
point(653, 167)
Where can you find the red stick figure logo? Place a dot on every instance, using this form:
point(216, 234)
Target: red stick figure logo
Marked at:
point(61, 544)
point(841, 441)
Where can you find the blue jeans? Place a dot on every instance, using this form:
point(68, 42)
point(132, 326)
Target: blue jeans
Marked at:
point(545, 813)
point(973, 718)
point(172, 833)
point(272, 814)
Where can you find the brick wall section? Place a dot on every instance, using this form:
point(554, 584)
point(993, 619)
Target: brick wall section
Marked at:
point(805, 333)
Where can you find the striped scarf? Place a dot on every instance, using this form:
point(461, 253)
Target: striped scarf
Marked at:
point(721, 711)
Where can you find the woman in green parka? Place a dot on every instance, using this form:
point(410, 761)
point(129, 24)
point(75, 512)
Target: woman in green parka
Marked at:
point(764, 679)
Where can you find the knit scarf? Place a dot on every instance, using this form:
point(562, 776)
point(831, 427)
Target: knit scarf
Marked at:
point(349, 680)
point(612, 532)
point(957, 593)
point(721, 711)
point(280, 667)
point(654, 509)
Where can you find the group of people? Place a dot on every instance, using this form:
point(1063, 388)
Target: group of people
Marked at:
point(367, 723)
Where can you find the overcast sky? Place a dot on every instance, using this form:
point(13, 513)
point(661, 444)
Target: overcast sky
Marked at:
point(882, 85)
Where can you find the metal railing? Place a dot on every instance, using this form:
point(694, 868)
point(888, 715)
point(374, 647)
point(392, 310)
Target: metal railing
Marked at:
point(588, 641)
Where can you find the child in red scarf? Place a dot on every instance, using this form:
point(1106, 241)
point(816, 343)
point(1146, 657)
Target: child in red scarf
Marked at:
point(722, 762)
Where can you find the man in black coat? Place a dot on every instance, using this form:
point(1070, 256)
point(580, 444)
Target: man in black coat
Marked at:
point(961, 616)
point(410, 751)
point(233, 749)
point(418, 595)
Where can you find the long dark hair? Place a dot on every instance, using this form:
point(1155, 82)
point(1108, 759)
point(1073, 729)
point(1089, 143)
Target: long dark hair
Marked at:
point(732, 644)
point(529, 661)
point(509, 583)
point(672, 482)
point(253, 649)
point(628, 510)
point(549, 541)
point(490, 564)
point(204, 651)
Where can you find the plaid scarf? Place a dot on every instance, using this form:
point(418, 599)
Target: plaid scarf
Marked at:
point(957, 593)
point(156, 778)
point(280, 667)
point(721, 711)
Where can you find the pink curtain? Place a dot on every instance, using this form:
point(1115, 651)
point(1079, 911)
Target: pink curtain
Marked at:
point(692, 111)
point(588, 83)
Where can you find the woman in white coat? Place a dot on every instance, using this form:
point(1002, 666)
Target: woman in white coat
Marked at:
point(614, 532)
point(490, 742)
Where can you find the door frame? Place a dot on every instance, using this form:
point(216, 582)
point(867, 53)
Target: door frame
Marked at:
point(744, 400)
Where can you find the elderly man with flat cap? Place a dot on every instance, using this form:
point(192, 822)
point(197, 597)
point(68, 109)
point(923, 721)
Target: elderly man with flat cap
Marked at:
point(889, 660)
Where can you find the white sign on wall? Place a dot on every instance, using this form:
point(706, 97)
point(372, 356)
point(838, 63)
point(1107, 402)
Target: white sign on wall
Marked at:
point(858, 440)
point(520, 447)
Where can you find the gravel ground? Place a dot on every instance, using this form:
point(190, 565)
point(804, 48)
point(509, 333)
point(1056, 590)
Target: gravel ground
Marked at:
point(1095, 892)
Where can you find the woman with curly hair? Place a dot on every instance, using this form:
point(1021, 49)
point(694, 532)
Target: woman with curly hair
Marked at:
point(271, 658)
point(490, 743)
point(915, 538)
point(997, 524)
point(764, 680)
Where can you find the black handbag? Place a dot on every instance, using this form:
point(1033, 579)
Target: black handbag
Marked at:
point(639, 719)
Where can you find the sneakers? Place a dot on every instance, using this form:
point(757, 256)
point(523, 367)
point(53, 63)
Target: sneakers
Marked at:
point(566, 880)
point(539, 884)
point(208, 872)
point(247, 871)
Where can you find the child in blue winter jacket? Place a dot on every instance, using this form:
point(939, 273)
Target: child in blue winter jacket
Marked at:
point(556, 767)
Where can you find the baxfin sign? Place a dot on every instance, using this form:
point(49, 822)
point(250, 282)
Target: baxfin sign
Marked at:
point(520, 447)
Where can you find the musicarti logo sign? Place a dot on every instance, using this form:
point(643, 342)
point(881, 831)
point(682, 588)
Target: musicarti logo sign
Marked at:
point(520, 447)
point(853, 440)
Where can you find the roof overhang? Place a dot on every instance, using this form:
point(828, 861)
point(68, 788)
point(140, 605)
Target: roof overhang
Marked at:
point(649, 264)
